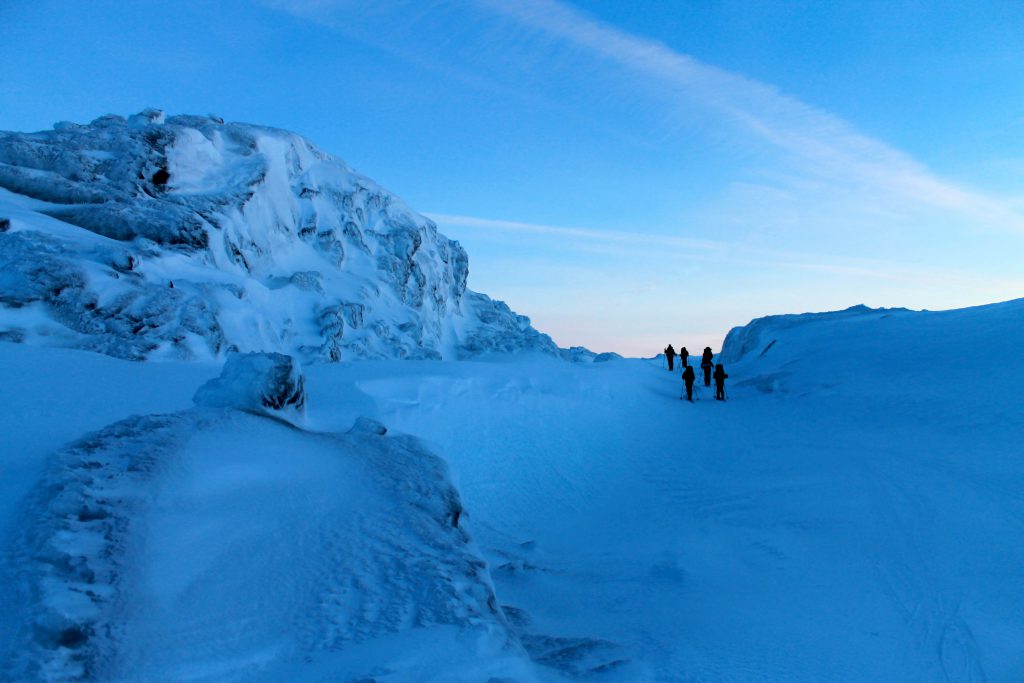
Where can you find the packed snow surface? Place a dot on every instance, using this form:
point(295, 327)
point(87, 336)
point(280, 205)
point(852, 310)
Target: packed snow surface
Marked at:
point(853, 512)
point(187, 237)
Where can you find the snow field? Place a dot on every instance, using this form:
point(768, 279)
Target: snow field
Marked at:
point(852, 513)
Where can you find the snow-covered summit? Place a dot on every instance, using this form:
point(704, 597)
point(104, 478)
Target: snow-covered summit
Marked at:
point(185, 236)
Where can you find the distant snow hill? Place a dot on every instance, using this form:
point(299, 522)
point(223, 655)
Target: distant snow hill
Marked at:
point(187, 237)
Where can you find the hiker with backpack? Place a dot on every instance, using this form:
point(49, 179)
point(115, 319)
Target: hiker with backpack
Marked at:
point(706, 364)
point(684, 357)
point(670, 355)
point(720, 382)
point(688, 377)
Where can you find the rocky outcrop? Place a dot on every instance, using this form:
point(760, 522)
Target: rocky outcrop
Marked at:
point(267, 383)
point(188, 237)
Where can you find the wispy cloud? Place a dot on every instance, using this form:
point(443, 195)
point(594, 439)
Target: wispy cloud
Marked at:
point(547, 36)
point(823, 143)
point(590, 234)
point(686, 250)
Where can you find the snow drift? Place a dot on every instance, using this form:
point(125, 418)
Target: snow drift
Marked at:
point(216, 544)
point(188, 237)
point(759, 335)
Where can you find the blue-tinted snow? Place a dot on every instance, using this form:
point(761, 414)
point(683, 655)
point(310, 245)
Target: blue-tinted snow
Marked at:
point(186, 237)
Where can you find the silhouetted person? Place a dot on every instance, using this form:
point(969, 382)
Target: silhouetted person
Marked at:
point(684, 357)
point(706, 364)
point(688, 377)
point(670, 355)
point(720, 382)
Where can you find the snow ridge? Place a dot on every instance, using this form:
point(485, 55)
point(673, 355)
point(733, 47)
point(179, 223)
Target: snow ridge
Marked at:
point(188, 237)
point(760, 334)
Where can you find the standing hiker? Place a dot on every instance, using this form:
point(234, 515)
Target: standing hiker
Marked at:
point(670, 355)
point(720, 382)
point(688, 377)
point(706, 364)
point(684, 356)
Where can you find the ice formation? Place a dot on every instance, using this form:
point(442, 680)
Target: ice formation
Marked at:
point(187, 237)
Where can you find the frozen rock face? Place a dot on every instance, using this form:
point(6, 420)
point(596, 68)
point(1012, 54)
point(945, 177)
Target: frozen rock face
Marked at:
point(268, 383)
point(189, 237)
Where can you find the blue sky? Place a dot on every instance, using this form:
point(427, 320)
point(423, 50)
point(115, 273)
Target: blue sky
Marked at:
point(627, 174)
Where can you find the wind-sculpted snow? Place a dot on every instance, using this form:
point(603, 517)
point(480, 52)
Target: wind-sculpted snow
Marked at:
point(84, 526)
point(759, 335)
point(193, 237)
point(214, 544)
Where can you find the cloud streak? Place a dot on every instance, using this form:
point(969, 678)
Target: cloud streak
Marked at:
point(822, 143)
point(590, 234)
point(711, 251)
point(547, 36)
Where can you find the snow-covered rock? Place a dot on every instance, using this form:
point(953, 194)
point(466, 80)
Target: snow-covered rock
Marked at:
point(188, 237)
point(269, 383)
point(214, 544)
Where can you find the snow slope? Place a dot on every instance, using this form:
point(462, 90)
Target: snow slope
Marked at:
point(187, 237)
point(852, 513)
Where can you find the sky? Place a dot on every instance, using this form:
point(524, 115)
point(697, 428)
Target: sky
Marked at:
point(626, 174)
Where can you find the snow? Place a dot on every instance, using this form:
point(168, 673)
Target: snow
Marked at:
point(215, 544)
point(267, 383)
point(851, 513)
point(240, 505)
point(269, 244)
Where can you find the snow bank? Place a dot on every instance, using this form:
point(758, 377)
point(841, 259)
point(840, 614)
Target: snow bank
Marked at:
point(759, 335)
point(187, 237)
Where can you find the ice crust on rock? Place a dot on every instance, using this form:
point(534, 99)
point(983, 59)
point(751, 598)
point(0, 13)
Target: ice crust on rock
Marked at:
point(186, 237)
point(270, 383)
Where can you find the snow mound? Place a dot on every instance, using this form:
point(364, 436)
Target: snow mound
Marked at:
point(875, 351)
point(759, 335)
point(270, 383)
point(186, 237)
point(185, 547)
